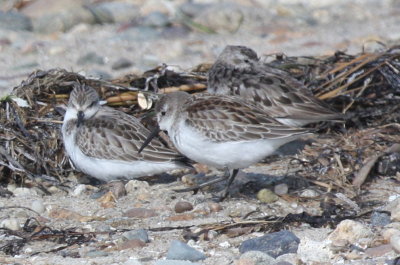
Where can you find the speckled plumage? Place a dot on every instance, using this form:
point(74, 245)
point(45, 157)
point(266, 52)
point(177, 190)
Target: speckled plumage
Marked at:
point(238, 71)
point(105, 144)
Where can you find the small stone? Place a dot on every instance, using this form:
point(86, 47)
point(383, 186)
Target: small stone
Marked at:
point(98, 74)
point(255, 258)
point(174, 262)
point(14, 21)
point(395, 242)
point(179, 250)
point(38, 206)
point(134, 243)
point(192, 9)
point(273, 244)
point(181, 217)
point(215, 207)
point(140, 213)
point(136, 185)
point(350, 231)
point(394, 208)
point(281, 189)
point(380, 219)
point(91, 58)
point(183, 206)
point(21, 192)
point(117, 188)
point(378, 251)
point(140, 234)
point(114, 12)
point(121, 63)
point(388, 233)
point(309, 193)
point(78, 190)
point(313, 252)
point(267, 196)
point(11, 223)
point(156, 19)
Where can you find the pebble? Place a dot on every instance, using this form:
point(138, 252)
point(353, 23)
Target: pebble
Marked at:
point(140, 234)
point(309, 193)
point(98, 74)
point(281, 189)
point(10, 223)
point(117, 188)
point(313, 252)
point(394, 208)
point(134, 243)
point(389, 232)
point(14, 21)
point(136, 185)
point(179, 250)
point(221, 18)
point(214, 207)
point(79, 189)
point(21, 192)
point(395, 242)
point(183, 206)
point(255, 258)
point(121, 63)
point(350, 231)
point(388, 165)
point(273, 244)
point(156, 19)
point(174, 262)
point(192, 9)
point(114, 12)
point(140, 213)
point(62, 21)
point(91, 58)
point(267, 196)
point(378, 251)
point(380, 219)
point(38, 206)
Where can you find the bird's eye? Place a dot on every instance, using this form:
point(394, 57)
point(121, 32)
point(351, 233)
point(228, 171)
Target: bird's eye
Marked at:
point(92, 104)
point(163, 113)
point(246, 61)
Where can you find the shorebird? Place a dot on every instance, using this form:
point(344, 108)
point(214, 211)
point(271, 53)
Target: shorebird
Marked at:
point(220, 131)
point(103, 142)
point(238, 71)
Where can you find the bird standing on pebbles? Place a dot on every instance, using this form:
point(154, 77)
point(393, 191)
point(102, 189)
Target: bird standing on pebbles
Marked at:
point(220, 131)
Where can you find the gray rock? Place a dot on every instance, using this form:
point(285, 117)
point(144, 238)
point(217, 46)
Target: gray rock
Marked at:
point(192, 9)
point(121, 63)
point(281, 189)
point(140, 234)
point(380, 219)
point(274, 244)
point(114, 12)
point(63, 21)
point(174, 262)
point(156, 19)
point(14, 21)
point(91, 58)
point(178, 250)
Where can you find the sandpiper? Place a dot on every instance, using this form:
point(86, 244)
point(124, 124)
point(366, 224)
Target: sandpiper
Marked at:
point(103, 142)
point(221, 131)
point(238, 71)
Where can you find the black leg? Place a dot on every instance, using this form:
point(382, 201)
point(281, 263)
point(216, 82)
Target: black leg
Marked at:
point(230, 180)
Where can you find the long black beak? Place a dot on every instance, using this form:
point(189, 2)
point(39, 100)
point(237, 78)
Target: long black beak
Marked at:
point(150, 137)
point(81, 116)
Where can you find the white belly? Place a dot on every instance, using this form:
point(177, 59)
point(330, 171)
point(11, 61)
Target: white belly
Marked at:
point(108, 170)
point(233, 155)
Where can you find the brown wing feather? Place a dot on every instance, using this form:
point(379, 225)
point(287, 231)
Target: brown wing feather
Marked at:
point(118, 136)
point(225, 118)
